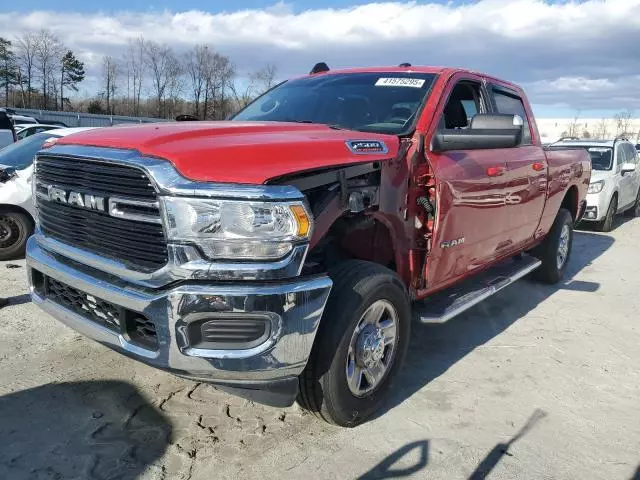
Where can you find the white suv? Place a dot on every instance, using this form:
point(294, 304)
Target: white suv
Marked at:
point(615, 180)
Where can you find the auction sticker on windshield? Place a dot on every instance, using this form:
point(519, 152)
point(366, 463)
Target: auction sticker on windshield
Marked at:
point(400, 82)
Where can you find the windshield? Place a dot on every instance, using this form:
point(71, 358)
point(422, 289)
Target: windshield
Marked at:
point(601, 157)
point(19, 155)
point(369, 102)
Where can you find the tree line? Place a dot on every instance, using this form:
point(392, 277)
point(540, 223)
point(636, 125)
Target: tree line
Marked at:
point(146, 79)
point(35, 69)
point(621, 126)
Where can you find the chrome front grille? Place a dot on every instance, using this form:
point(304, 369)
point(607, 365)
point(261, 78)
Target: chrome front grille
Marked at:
point(107, 209)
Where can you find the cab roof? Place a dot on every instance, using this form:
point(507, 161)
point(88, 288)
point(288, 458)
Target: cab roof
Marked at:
point(448, 71)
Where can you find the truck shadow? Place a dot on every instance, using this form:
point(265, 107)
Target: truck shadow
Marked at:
point(93, 429)
point(395, 464)
point(403, 462)
point(433, 349)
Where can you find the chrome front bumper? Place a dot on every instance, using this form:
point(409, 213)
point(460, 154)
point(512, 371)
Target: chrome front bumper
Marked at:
point(295, 305)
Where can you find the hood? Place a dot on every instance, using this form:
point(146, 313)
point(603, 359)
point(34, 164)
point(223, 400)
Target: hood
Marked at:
point(597, 175)
point(241, 152)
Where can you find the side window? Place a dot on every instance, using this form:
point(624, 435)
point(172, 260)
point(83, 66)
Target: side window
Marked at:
point(621, 156)
point(512, 104)
point(464, 102)
point(632, 157)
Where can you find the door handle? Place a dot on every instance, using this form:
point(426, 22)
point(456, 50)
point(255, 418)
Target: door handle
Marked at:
point(496, 171)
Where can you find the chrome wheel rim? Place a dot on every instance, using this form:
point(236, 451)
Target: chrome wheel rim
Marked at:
point(372, 348)
point(9, 232)
point(563, 246)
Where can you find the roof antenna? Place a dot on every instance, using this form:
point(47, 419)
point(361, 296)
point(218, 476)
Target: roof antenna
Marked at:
point(319, 68)
point(404, 64)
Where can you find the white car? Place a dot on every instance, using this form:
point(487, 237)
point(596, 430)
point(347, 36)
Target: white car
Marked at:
point(16, 204)
point(24, 131)
point(615, 180)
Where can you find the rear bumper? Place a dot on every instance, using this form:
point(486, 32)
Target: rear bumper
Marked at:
point(269, 369)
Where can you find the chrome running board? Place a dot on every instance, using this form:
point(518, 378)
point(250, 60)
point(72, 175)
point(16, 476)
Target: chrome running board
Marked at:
point(453, 301)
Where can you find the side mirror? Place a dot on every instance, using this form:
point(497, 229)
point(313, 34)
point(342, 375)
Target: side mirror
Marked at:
point(628, 168)
point(487, 131)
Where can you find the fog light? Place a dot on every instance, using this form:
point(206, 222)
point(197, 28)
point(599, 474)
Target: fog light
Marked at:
point(229, 330)
point(591, 213)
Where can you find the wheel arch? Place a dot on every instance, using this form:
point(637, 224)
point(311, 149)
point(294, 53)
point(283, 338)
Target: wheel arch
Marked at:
point(9, 207)
point(571, 201)
point(362, 237)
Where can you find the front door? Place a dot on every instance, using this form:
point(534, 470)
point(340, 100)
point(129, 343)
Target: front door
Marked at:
point(471, 186)
point(527, 174)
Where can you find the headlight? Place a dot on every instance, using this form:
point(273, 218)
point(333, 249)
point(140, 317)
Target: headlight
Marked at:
point(237, 230)
point(596, 187)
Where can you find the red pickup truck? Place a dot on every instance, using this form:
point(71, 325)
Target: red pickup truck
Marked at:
point(284, 253)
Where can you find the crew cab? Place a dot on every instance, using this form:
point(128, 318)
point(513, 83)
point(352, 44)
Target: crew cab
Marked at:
point(615, 180)
point(284, 253)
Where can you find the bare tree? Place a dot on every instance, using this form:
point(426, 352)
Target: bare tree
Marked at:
point(163, 67)
point(219, 78)
point(174, 82)
point(199, 65)
point(601, 131)
point(265, 78)
point(27, 58)
point(624, 121)
point(257, 83)
point(573, 128)
point(109, 75)
point(136, 66)
point(48, 55)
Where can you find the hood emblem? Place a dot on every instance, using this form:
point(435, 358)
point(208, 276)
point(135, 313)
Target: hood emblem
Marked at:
point(364, 147)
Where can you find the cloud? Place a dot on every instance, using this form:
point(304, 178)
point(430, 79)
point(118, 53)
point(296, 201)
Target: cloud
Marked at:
point(572, 53)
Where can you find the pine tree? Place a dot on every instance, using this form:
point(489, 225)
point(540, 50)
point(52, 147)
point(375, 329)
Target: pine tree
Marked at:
point(71, 73)
point(8, 68)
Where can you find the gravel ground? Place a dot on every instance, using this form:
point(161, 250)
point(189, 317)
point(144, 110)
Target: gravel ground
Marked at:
point(537, 382)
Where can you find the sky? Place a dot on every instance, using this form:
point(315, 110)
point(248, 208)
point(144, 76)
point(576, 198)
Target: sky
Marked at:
point(569, 56)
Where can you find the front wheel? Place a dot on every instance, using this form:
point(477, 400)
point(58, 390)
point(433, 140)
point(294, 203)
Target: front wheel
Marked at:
point(360, 345)
point(555, 250)
point(15, 229)
point(607, 224)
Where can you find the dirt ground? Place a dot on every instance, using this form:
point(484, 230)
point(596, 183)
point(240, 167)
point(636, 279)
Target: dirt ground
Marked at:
point(539, 382)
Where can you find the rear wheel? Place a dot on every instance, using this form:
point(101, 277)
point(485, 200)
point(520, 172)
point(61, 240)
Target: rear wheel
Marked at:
point(635, 210)
point(607, 223)
point(555, 250)
point(15, 229)
point(360, 346)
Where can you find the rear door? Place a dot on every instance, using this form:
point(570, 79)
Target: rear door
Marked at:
point(635, 174)
point(526, 173)
point(628, 183)
point(471, 185)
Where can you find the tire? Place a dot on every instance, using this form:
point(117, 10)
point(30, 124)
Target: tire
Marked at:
point(548, 252)
point(635, 210)
point(15, 229)
point(607, 224)
point(359, 288)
